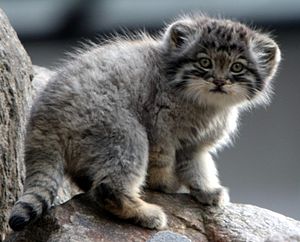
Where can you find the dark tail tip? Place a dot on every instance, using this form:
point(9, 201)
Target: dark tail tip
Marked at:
point(22, 214)
point(17, 222)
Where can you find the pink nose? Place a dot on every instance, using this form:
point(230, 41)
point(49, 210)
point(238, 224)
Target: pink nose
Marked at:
point(219, 82)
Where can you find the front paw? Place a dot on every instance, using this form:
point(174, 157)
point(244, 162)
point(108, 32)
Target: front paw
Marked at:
point(217, 197)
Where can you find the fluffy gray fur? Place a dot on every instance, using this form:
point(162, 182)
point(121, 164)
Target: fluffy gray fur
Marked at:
point(145, 111)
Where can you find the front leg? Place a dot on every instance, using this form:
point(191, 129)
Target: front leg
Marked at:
point(197, 170)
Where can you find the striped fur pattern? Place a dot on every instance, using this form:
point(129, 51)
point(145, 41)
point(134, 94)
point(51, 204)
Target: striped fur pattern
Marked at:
point(145, 111)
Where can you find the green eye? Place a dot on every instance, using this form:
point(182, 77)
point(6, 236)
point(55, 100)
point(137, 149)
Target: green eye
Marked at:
point(205, 63)
point(237, 67)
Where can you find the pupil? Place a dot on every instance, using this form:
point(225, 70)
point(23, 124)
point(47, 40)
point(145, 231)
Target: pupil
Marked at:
point(237, 67)
point(205, 62)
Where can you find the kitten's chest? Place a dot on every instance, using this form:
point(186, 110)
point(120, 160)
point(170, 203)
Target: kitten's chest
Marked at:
point(180, 123)
point(195, 125)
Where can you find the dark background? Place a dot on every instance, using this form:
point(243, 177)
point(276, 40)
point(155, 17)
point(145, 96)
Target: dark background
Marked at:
point(262, 168)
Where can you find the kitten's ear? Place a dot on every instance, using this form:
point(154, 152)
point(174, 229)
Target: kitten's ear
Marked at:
point(267, 54)
point(178, 33)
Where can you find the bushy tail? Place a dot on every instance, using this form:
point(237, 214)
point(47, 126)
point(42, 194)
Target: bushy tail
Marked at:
point(44, 172)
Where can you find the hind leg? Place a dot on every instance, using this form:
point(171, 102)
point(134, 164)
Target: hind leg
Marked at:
point(127, 204)
point(119, 158)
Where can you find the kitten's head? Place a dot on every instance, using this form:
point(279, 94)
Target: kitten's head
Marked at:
point(220, 62)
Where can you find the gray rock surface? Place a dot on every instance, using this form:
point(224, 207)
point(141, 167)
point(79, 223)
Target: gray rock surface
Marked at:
point(15, 88)
point(168, 236)
point(81, 220)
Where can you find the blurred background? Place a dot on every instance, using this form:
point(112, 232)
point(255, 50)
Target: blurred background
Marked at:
point(263, 167)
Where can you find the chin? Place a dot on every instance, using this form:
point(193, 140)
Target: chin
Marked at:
point(220, 99)
point(211, 96)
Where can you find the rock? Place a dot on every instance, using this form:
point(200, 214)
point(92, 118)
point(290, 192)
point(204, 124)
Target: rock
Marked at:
point(166, 236)
point(81, 220)
point(15, 89)
point(66, 191)
point(280, 238)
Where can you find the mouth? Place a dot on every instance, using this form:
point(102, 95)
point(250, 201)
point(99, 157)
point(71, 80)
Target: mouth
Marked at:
point(218, 89)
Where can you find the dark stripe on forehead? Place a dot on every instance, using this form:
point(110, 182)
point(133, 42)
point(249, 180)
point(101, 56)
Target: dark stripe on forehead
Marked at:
point(228, 38)
point(242, 35)
point(231, 47)
point(204, 45)
point(220, 30)
point(208, 28)
point(223, 48)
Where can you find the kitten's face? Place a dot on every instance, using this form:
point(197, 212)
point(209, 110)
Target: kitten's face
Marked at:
point(221, 62)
